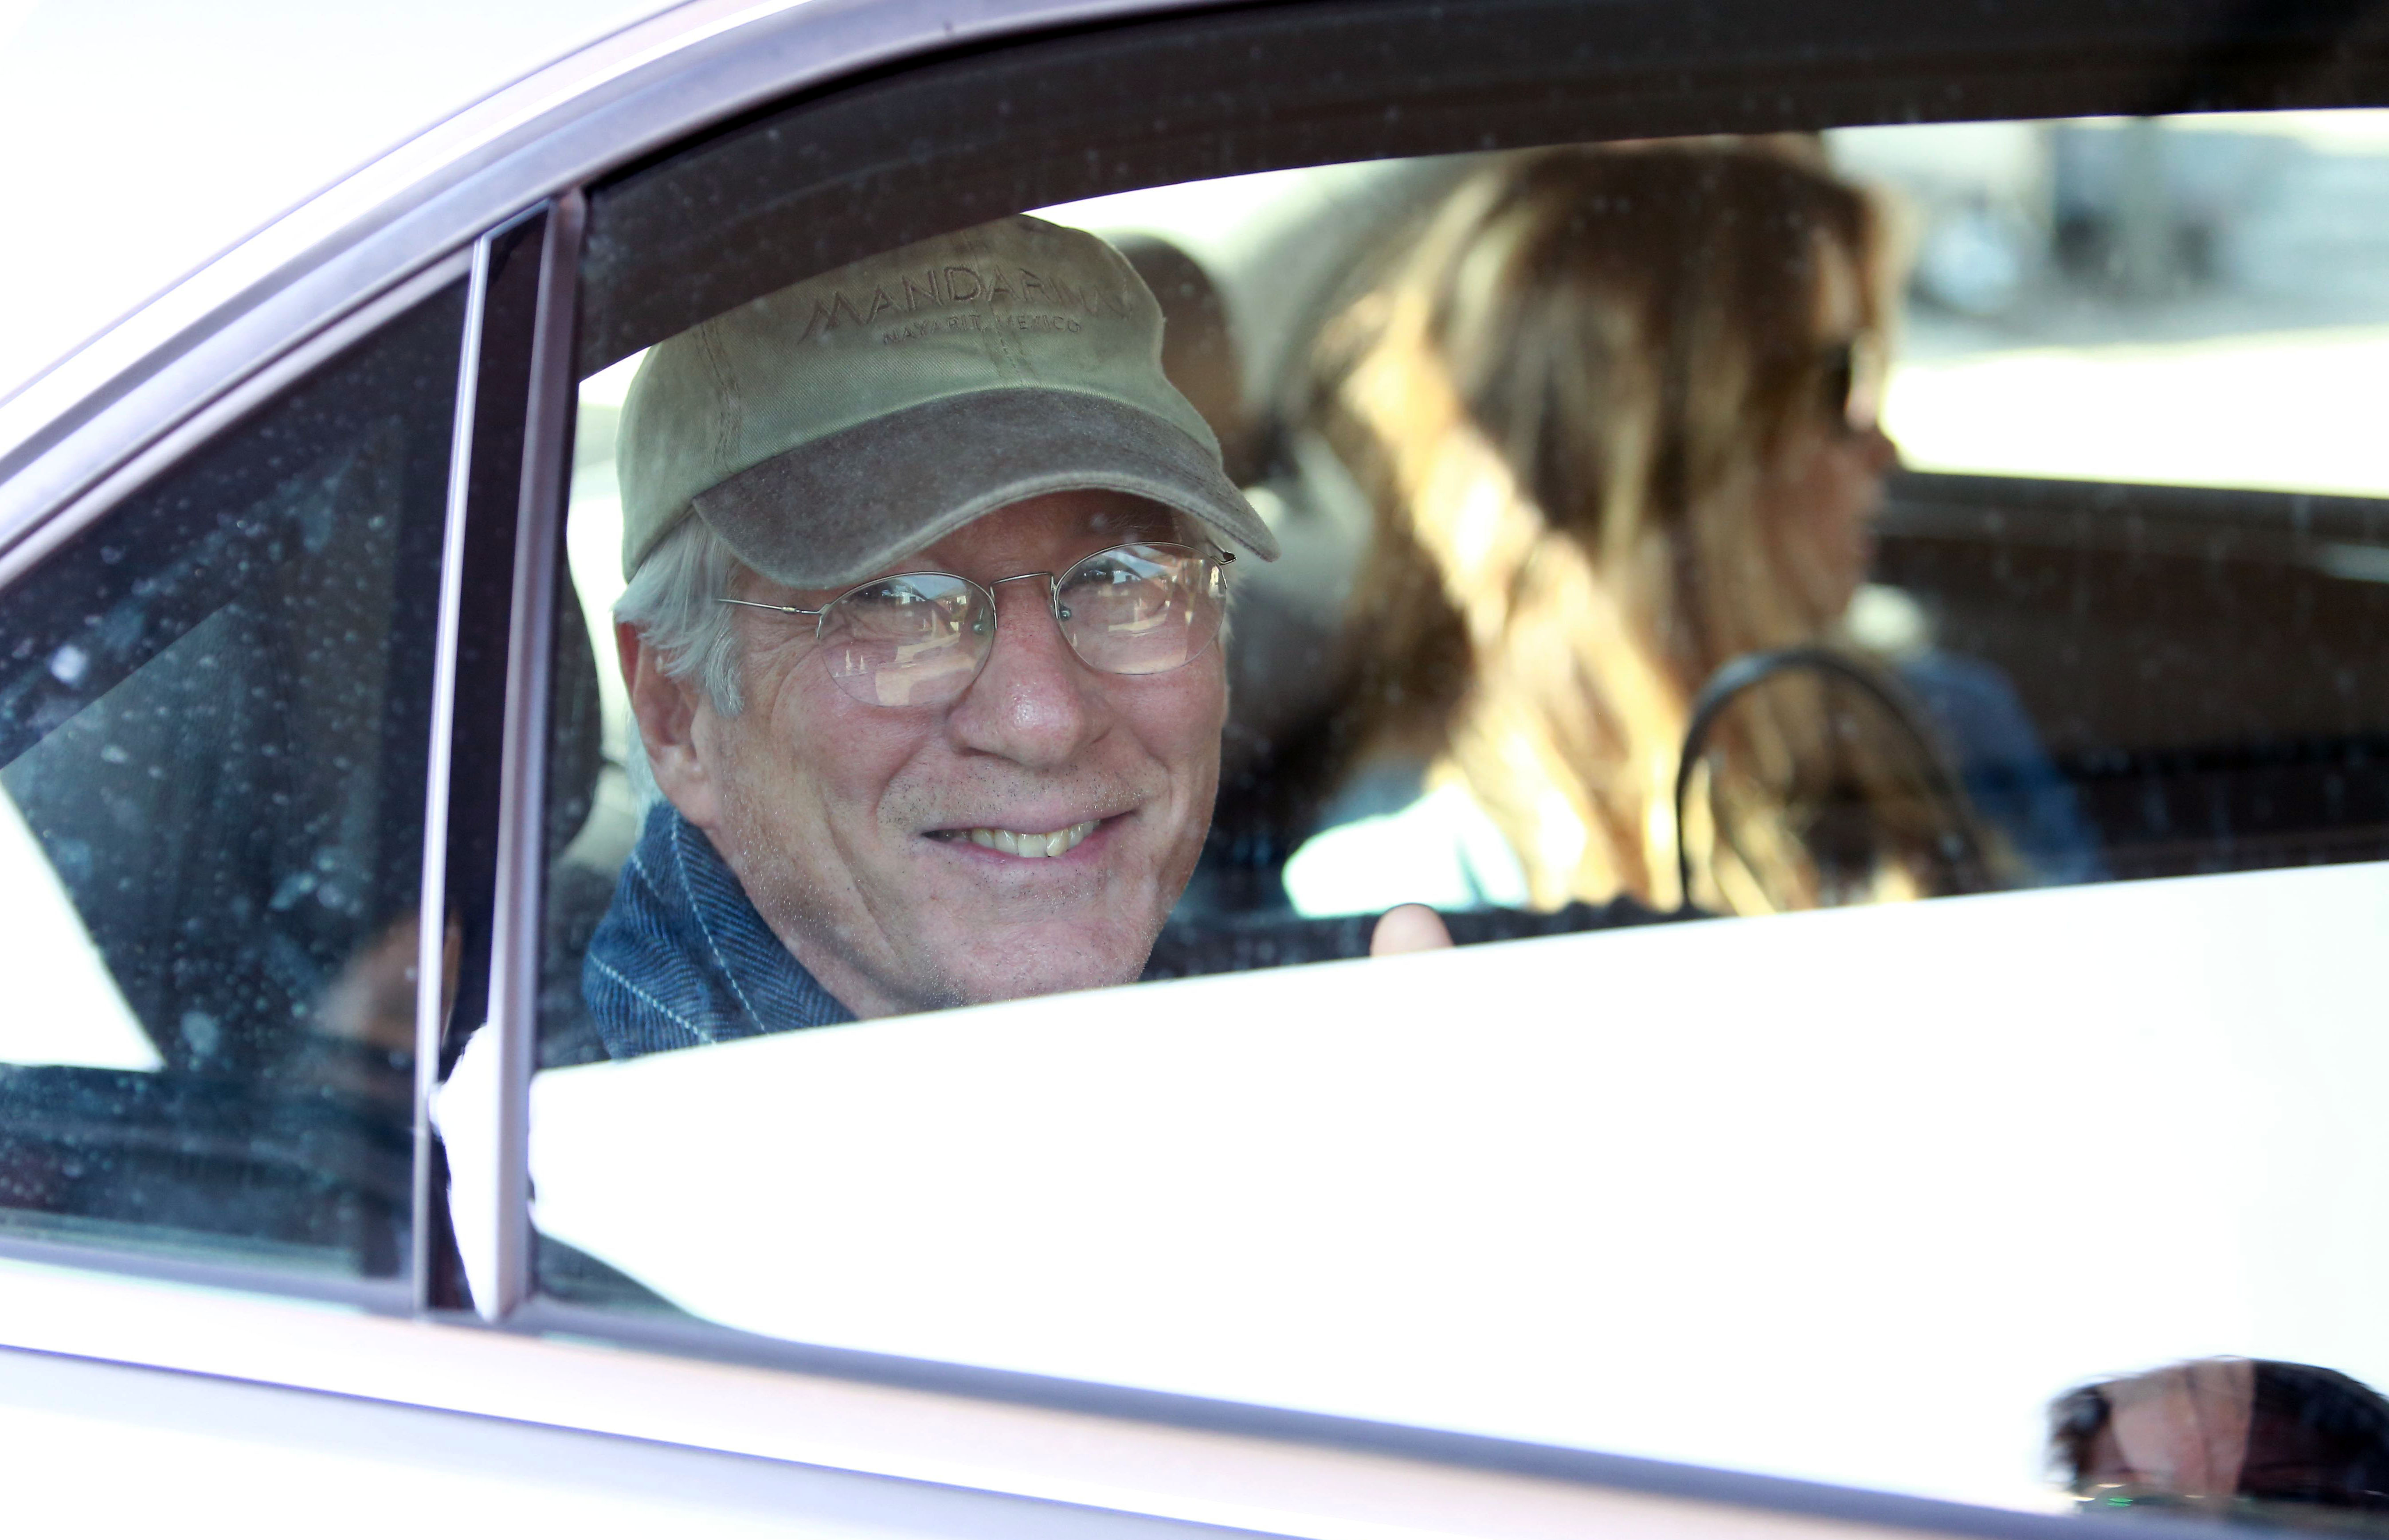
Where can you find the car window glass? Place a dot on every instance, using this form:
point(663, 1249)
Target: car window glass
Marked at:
point(2073, 775)
point(213, 724)
point(1673, 527)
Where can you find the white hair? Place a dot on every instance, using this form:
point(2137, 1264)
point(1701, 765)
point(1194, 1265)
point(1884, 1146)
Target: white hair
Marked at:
point(671, 601)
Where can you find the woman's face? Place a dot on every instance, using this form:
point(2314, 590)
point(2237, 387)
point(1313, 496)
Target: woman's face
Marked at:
point(1825, 481)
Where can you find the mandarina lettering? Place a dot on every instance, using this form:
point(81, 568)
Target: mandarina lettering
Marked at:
point(939, 288)
point(974, 322)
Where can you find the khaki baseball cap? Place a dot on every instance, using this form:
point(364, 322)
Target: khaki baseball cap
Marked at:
point(826, 430)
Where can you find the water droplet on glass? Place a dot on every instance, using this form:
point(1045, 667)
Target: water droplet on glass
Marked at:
point(200, 1033)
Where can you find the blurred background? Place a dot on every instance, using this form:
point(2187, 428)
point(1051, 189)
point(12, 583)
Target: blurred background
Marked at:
point(2190, 301)
point(2193, 301)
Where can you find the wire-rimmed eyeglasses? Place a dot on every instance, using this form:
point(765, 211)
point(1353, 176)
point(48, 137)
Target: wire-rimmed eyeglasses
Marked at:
point(921, 638)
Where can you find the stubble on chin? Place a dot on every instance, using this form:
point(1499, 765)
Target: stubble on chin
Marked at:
point(888, 924)
point(895, 937)
point(995, 949)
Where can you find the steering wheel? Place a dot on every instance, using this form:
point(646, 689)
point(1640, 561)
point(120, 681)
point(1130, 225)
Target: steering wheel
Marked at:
point(1740, 675)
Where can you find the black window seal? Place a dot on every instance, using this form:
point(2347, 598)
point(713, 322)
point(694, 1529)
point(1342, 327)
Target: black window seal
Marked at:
point(516, 514)
point(462, 793)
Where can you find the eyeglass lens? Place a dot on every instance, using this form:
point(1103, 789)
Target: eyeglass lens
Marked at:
point(911, 640)
point(920, 638)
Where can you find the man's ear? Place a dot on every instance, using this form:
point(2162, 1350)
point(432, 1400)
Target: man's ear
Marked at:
point(666, 710)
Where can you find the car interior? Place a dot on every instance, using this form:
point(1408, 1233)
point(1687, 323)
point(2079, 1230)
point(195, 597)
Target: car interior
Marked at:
point(2161, 639)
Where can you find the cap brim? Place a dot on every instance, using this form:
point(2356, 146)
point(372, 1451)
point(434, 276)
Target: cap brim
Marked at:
point(841, 508)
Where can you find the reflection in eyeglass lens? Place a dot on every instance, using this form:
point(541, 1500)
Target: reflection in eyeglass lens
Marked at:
point(905, 641)
point(920, 638)
point(1140, 609)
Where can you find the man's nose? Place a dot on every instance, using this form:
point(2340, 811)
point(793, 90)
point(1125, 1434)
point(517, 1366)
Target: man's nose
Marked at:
point(1035, 702)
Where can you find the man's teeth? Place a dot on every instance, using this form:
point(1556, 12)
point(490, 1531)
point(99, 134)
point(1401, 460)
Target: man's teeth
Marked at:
point(1061, 842)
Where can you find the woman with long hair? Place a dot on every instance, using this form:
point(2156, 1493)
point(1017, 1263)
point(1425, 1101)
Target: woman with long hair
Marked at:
point(1614, 412)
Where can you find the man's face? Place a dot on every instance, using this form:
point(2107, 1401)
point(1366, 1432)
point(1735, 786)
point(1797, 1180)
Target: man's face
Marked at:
point(849, 824)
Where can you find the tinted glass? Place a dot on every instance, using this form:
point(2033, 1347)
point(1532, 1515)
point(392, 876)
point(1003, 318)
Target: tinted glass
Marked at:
point(1826, 510)
point(214, 717)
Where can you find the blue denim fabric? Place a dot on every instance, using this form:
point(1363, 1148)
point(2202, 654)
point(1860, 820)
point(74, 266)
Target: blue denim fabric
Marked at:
point(2008, 774)
point(682, 958)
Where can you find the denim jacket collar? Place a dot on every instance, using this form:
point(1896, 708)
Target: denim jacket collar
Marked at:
point(683, 958)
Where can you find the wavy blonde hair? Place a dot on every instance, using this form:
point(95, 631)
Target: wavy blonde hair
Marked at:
point(1564, 403)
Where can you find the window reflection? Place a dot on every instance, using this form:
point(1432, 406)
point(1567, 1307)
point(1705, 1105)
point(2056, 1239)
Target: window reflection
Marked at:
point(215, 719)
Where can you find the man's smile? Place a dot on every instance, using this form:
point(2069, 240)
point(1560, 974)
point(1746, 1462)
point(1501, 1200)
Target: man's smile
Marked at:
point(1060, 842)
point(1025, 843)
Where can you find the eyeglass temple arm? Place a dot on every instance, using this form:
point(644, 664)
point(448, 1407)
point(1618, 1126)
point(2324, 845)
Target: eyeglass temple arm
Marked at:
point(776, 609)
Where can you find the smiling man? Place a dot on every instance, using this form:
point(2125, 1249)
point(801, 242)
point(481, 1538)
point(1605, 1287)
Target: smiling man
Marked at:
point(922, 635)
